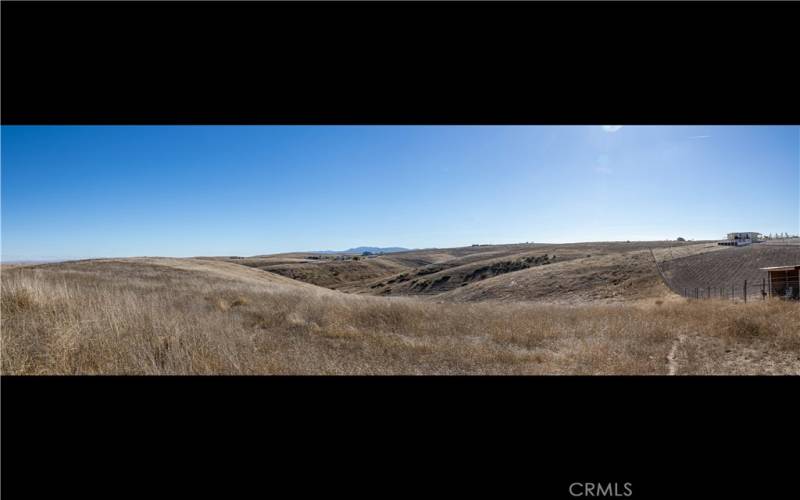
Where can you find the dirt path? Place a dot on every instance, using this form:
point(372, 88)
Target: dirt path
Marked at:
point(672, 364)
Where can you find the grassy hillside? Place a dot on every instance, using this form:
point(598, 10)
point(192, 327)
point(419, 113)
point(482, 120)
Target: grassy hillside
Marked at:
point(436, 271)
point(191, 316)
point(450, 274)
point(356, 273)
point(569, 273)
point(613, 277)
point(328, 271)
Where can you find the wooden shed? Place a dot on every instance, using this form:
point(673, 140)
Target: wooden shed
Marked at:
point(784, 281)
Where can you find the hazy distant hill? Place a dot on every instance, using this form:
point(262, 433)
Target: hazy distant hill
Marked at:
point(367, 249)
point(376, 249)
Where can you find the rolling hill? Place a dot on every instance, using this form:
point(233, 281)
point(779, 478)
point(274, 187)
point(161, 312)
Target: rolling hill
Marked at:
point(588, 308)
point(568, 273)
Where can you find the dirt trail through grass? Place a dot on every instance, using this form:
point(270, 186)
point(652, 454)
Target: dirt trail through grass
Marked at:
point(672, 364)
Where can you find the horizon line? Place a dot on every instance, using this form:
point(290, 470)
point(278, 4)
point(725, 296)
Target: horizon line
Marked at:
point(64, 259)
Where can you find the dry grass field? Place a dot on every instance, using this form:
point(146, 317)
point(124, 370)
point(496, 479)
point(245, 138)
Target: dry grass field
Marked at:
point(608, 313)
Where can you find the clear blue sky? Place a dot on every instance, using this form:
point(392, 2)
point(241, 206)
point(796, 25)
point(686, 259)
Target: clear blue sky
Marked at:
point(79, 192)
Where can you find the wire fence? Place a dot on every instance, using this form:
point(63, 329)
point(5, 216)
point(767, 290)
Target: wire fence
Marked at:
point(779, 287)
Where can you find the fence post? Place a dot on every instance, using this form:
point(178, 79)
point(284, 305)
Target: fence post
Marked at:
point(696, 293)
point(708, 295)
point(745, 291)
point(763, 287)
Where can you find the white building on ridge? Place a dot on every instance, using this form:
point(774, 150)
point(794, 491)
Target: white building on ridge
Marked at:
point(740, 239)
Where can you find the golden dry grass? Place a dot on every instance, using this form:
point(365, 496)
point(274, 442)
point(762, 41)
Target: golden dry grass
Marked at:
point(171, 316)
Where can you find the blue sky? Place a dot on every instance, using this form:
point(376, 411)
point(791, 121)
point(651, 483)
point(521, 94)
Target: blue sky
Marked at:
point(80, 192)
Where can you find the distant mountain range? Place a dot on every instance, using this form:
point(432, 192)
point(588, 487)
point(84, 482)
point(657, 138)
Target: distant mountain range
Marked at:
point(368, 249)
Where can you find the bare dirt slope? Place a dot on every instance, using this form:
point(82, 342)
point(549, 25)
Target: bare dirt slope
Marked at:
point(665, 254)
point(728, 267)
